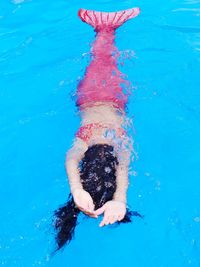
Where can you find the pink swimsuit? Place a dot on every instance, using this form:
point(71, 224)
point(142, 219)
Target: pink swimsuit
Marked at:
point(85, 132)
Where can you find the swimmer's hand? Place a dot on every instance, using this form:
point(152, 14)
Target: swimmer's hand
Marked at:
point(113, 211)
point(84, 202)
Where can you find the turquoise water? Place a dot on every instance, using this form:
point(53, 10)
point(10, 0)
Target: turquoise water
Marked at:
point(43, 54)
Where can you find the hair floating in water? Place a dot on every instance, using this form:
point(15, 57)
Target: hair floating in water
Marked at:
point(98, 177)
point(65, 222)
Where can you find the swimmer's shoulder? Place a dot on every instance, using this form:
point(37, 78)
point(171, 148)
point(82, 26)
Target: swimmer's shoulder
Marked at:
point(77, 150)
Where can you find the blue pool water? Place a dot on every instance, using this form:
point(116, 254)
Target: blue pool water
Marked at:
point(43, 54)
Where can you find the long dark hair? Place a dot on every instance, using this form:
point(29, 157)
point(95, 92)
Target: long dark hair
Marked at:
point(98, 177)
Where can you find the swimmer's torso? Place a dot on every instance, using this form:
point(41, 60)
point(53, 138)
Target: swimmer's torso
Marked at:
point(102, 123)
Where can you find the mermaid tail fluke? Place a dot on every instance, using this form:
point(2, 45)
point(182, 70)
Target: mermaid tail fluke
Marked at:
point(107, 20)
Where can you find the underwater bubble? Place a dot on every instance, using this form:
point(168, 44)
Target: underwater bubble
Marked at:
point(107, 169)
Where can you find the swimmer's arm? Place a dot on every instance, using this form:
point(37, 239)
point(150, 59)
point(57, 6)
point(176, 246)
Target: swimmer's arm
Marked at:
point(82, 198)
point(122, 178)
point(73, 158)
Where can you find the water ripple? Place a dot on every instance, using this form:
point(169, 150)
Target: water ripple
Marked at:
point(181, 28)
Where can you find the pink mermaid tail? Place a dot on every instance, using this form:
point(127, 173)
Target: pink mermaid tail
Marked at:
point(103, 81)
point(103, 20)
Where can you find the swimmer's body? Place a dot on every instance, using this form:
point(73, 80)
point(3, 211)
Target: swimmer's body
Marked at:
point(101, 114)
point(97, 164)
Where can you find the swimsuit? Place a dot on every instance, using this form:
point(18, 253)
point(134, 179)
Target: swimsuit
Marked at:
point(85, 132)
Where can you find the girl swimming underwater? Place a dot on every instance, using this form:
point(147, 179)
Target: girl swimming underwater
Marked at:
point(97, 164)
